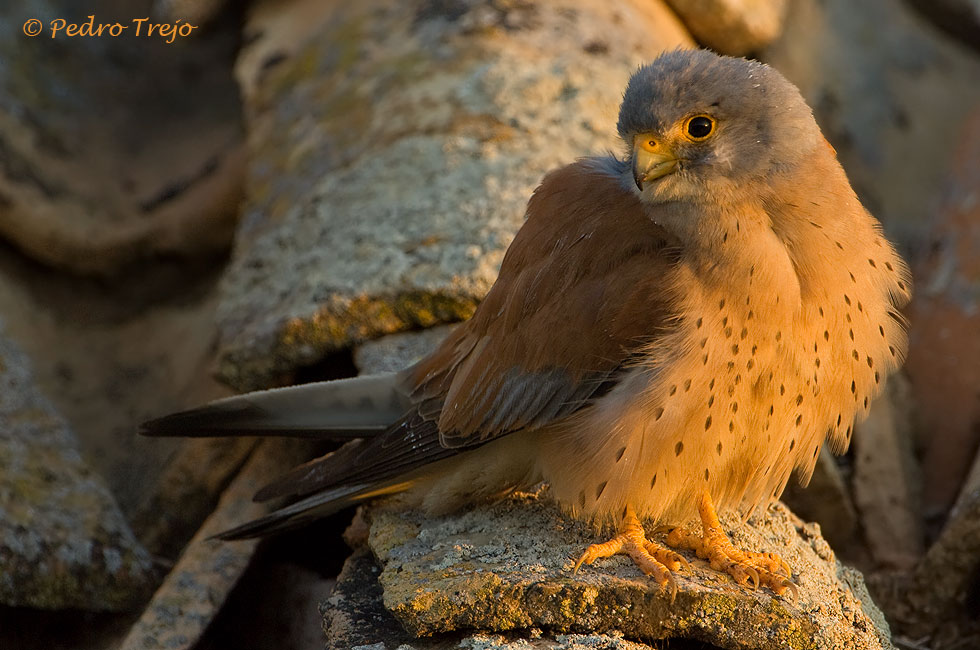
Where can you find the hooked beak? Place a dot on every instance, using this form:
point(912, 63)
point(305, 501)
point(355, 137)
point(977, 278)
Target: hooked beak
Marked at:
point(651, 160)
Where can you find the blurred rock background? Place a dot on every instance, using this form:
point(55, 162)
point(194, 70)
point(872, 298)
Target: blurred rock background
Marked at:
point(276, 197)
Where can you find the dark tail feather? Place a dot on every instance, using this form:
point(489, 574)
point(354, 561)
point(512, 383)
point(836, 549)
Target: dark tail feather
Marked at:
point(341, 409)
point(323, 473)
point(298, 514)
point(405, 447)
point(360, 469)
point(395, 441)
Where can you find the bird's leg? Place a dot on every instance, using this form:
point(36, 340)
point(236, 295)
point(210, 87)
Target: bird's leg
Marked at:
point(746, 567)
point(652, 558)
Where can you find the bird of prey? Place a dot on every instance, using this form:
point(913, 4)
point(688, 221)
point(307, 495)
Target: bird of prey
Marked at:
point(673, 332)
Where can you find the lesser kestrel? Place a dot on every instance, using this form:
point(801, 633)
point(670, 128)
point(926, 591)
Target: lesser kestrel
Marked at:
point(672, 332)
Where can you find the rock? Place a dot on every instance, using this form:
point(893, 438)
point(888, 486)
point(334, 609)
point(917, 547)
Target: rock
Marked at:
point(201, 580)
point(960, 18)
point(63, 541)
point(886, 89)
point(354, 617)
point(393, 151)
point(507, 567)
point(827, 501)
point(115, 150)
point(886, 482)
point(734, 27)
point(944, 351)
point(397, 351)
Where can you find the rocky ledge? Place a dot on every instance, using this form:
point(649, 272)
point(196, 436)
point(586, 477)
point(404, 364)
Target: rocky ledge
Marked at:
point(505, 569)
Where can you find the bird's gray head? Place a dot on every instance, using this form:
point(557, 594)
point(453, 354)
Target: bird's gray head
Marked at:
point(701, 125)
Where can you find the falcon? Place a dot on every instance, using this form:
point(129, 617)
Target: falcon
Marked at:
point(672, 333)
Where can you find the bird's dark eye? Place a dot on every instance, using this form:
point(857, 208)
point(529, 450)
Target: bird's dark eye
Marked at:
point(699, 127)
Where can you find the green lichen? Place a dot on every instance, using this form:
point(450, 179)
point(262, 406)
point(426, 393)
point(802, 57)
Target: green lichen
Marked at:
point(334, 327)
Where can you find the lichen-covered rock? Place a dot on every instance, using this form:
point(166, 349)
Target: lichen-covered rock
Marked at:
point(508, 567)
point(354, 617)
point(63, 541)
point(393, 154)
point(734, 27)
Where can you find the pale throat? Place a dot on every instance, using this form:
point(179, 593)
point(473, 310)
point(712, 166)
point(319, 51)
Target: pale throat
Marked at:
point(735, 253)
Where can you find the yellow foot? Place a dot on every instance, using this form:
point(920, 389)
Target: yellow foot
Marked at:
point(746, 567)
point(652, 559)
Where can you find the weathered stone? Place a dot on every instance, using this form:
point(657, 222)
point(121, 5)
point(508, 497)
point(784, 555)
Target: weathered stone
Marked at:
point(886, 482)
point(354, 617)
point(508, 567)
point(944, 351)
point(827, 501)
point(885, 88)
point(199, 583)
point(393, 154)
point(397, 351)
point(735, 27)
point(63, 541)
point(114, 150)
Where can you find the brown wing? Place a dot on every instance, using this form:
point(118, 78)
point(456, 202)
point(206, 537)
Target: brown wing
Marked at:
point(579, 291)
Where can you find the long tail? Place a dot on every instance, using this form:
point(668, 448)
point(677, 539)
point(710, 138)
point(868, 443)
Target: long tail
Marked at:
point(340, 409)
point(389, 438)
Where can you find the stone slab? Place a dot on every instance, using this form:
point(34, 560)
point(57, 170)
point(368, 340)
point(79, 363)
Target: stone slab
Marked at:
point(508, 567)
